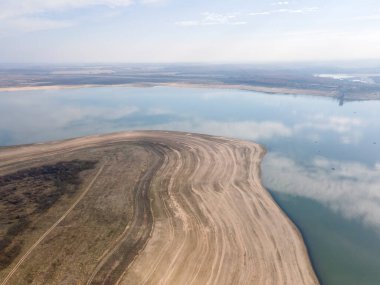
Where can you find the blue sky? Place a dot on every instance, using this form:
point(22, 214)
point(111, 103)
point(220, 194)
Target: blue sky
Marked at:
point(188, 31)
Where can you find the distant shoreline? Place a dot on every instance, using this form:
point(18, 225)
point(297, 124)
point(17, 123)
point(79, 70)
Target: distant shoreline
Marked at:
point(253, 88)
point(271, 90)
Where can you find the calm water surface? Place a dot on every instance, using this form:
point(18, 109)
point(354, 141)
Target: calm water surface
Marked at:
point(322, 166)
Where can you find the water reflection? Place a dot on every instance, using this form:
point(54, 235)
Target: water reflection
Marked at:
point(306, 136)
point(349, 129)
point(323, 160)
point(243, 129)
point(349, 188)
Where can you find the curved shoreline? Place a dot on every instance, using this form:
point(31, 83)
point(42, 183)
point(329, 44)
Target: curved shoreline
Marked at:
point(212, 220)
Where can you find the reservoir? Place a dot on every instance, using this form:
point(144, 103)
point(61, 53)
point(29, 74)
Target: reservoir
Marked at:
point(322, 164)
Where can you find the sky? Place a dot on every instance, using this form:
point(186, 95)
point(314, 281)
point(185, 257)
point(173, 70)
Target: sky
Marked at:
point(122, 31)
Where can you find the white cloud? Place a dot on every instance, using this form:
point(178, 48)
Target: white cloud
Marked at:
point(209, 19)
point(32, 15)
point(280, 3)
point(13, 9)
point(286, 11)
point(188, 23)
point(368, 17)
point(28, 24)
point(349, 188)
point(152, 1)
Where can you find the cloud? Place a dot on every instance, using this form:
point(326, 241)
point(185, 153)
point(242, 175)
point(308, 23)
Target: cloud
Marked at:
point(286, 11)
point(153, 1)
point(349, 188)
point(13, 9)
point(368, 18)
point(209, 19)
point(188, 23)
point(27, 24)
point(33, 15)
point(280, 3)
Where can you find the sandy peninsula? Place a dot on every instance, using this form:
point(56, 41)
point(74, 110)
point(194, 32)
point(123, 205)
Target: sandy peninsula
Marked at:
point(144, 208)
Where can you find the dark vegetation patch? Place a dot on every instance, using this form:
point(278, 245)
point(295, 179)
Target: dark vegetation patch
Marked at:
point(27, 193)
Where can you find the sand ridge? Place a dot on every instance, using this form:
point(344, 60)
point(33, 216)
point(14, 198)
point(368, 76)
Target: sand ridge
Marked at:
point(195, 212)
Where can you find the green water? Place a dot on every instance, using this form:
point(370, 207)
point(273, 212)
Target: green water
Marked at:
point(333, 242)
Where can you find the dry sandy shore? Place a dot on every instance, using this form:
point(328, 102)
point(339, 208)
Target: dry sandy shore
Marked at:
point(355, 95)
point(158, 208)
point(269, 90)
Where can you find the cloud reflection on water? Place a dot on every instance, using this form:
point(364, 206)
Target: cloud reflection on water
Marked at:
point(349, 188)
point(348, 129)
point(239, 129)
point(42, 120)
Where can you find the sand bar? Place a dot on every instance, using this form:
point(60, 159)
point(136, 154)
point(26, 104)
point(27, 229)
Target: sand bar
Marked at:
point(158, 208)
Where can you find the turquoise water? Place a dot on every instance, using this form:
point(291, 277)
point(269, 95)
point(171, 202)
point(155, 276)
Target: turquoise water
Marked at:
point(322, 166)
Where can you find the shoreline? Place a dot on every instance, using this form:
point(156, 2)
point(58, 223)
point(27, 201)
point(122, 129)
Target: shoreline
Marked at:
point(243, 87)
point(269, 90)
point(10, 156)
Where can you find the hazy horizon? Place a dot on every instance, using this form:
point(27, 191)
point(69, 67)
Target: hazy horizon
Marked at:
point(339, 64)
point(169, 31)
